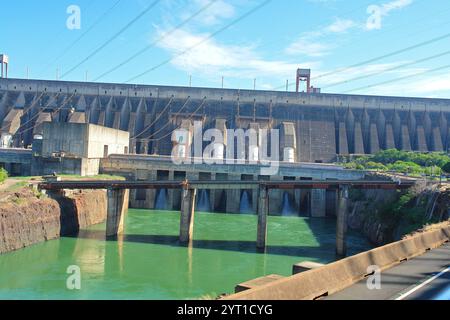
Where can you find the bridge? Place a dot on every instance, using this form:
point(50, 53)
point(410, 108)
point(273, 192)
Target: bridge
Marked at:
point(118, 199)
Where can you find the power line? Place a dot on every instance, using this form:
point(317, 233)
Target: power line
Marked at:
point(389, 69)
point(179, 127)
point(385, 56)
point(41, 111)
point(67, 49)
point(401, 78)
point(148, 47)
point(168, 123)
point(107, 42)
point(359, 64)
point(33, 104)
point(202, 41)
point(156, 120)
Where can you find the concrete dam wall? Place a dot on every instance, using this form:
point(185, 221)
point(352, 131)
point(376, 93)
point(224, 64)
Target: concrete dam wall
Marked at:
point(316, 126)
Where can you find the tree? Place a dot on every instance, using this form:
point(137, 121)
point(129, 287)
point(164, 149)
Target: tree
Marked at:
point(446, 168)
point(3, 175)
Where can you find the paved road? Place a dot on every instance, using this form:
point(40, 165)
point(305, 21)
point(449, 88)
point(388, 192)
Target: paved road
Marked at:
point(426, 277)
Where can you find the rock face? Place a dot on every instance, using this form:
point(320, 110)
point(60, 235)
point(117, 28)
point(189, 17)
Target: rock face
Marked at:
point(27, 220)
point(365, 208)
point(363, 215)
point(81, 209)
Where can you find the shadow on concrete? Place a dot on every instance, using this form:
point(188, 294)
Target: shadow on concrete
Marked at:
point(69, 223)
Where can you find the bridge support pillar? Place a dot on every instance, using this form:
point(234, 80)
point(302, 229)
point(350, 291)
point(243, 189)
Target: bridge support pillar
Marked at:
point(117, 206)
point(263, 211)
point(341, 224)
point(318, 203)
point(187, 215)
point(233, 196)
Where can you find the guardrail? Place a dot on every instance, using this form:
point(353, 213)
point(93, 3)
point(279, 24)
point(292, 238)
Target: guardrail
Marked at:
point(331, 278)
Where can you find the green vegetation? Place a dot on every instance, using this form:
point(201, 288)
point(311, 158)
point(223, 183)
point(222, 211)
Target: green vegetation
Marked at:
point(17, 186)
point(446, 168)
point(19, 201)
point(413, 163)
point(407, 214)
point(73, 177)
point(97, 177)
point(3, 175)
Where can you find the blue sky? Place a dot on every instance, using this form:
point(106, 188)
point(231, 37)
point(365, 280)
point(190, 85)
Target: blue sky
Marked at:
point(327, 36)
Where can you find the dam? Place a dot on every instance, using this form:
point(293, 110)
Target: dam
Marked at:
point(316, 127)
point(126, 130)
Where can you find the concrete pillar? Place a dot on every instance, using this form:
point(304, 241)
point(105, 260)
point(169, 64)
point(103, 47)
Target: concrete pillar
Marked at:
point(187, 215)
point(374, 141)
point(117, 207)
point(343, 141)
point(276, 197)
point(318, 203)
point(212, 194)
point(170, 192)
point(263, 210)
point(341, 223)
point(297, 199)
point(233, 196)
point(255, 197)
point(151, 193)
point(359, 140)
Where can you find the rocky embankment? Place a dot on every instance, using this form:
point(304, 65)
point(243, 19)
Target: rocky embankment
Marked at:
point(27, 217)
point(387, 216)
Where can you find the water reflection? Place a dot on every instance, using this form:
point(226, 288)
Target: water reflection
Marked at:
point(148, 262)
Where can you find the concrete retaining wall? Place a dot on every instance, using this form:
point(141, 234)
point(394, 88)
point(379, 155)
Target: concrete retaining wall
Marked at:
point(341, 274)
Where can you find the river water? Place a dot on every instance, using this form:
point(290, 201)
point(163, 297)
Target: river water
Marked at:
point(148, 263)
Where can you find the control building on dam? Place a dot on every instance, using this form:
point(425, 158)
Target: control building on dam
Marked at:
point(314, 127)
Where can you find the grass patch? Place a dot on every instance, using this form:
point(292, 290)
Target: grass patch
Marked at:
point(17, 186)
point(97, 177)
point(19, 201)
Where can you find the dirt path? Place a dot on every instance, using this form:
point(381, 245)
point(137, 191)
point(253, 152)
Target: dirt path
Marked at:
point(8, 183)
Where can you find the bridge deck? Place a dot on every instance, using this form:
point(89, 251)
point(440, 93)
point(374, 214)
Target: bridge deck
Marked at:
point(226, 185)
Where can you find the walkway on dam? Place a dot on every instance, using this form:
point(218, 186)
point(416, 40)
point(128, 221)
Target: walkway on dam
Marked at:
point(426, 277)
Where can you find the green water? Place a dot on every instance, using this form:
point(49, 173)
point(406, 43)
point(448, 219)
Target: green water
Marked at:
point(148, 263)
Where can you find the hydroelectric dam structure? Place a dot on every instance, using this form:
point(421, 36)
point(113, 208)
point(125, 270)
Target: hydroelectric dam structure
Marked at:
point(315, 127)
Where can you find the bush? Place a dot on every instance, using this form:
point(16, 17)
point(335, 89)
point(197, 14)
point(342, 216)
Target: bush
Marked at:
point(375, 166)
point(446, 168)
point(405, 167)
point(3, 175)
point(402, 161)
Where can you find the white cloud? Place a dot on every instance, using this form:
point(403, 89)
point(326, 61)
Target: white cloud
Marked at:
point(433, 86)
point(313, 43)
point(425, 85)
point(377, 12)
point(212, 58)
point(218, 11)
point(372, 70)
point(340, 26)
point(306, 46)
point(386, 8)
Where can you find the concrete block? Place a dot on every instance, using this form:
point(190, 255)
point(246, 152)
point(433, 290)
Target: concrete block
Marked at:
point(336, 276)
point(305, 266)
point(257, 282)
